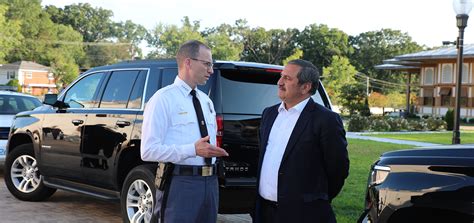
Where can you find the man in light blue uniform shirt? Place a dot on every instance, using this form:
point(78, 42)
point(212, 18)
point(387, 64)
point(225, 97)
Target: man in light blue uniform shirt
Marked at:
point(171, 134)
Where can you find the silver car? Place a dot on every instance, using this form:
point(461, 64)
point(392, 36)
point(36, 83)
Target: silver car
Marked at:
point(12, 103)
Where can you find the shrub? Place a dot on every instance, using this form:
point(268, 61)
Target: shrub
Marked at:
point(449, 118)
point(397, 124)
point(358, 123)
point(417, 125)
point(379, 125)
point(434, 124)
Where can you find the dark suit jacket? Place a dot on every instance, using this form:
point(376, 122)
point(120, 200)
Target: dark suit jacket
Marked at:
point(314, 164)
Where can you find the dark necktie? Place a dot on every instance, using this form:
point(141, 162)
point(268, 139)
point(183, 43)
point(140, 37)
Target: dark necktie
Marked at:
point(201, 120)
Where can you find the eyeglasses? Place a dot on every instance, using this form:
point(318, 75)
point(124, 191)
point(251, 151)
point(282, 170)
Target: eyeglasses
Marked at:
point(207, 63)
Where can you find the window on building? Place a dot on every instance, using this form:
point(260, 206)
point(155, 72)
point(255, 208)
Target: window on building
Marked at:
point(10, 74)
point(447, 73)
point(50, 76)
point(445, 94)
point(463, 99)
point(29, 75)
point(429, 75)
point(428, 99)
point(465, 73)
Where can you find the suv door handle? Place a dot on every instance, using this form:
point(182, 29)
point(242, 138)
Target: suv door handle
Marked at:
point(77, 122)
point(122, 124)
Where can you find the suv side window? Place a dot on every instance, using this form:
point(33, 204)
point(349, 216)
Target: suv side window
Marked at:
point(84, 92)
point(168, 77)
point(137, 91)
point(118, 89)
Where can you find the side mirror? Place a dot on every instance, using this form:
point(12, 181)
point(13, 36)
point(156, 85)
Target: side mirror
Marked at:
point(50, 99)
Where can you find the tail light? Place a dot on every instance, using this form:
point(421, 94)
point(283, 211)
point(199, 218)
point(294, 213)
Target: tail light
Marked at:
point(220, 130)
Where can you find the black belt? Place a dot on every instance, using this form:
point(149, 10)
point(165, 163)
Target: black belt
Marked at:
point(272, 204)
point(188, 170)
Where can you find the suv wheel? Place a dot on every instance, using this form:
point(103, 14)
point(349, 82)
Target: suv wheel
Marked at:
point(138, 194)
point(22, 176)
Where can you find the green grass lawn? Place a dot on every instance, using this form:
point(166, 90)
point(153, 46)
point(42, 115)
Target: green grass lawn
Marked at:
point(349, 204)
point(439, 138)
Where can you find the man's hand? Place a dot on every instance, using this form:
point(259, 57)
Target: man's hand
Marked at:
point(204, 149)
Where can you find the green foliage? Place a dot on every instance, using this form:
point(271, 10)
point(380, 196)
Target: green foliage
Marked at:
point(320, 43)
point(272, 46)
point(14, 83)
point(131, 35)
point(417, 125)
point(449, 118)
point(358, 123)
point(352, 98)
point(338, 74)
point(379, 125)
point(434, 124)
point(166, 39)
point(397, 124)
point(297, 54)
point(371, 48)
point(432, 137)
point(93, 23)
point(10, 35)
point(226, 41)
point(396, 100)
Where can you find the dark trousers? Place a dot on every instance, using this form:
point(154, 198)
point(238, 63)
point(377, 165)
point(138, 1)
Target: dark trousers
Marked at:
point(269, 211)
point(190, 199)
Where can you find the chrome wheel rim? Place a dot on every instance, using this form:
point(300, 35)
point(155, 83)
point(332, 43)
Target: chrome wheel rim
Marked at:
point(139, 202)
point(24, 174)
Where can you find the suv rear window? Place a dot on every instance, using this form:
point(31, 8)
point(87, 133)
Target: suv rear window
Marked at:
point(255, 87)
point(241, 88)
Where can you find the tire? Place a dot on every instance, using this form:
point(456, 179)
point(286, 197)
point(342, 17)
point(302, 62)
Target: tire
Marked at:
point(138, 194)
point(22, 176)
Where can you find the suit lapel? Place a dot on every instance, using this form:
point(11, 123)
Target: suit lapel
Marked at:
point(300, 126)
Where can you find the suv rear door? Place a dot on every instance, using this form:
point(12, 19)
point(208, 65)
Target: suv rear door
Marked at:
point(108, 128)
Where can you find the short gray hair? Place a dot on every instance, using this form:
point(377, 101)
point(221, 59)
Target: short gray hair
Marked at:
point(189, 49)
point(308, 74)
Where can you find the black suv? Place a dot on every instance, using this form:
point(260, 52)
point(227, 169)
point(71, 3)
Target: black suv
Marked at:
point(87, 139)
point(432, 184)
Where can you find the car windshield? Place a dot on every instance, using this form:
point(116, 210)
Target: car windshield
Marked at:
point(10, 104)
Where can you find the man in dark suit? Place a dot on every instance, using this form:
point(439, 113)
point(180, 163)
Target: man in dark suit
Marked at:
point(303, 156)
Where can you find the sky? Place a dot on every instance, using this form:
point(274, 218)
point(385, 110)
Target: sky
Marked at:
point(428, 22)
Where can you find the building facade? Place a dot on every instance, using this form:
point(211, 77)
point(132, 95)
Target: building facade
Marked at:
point(438, 77)
point(34, 78)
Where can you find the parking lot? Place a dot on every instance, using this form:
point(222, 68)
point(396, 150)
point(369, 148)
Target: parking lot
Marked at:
point(68, 207)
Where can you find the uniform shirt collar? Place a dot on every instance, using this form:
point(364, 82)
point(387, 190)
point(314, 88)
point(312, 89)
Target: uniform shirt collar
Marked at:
point(183, 87)
point(298, 107)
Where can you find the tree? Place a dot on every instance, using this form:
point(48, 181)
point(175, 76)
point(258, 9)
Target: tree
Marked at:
point(226, 41)
point(353, 98)
point(320, 43)
point(95, 24)
point(44, 41)
point(10, 35)
point(14, 83)
point(371, 48)
point(297, 54)
point(131, 34)
point(272, 46)
point(166, 39)
point(338, 74)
